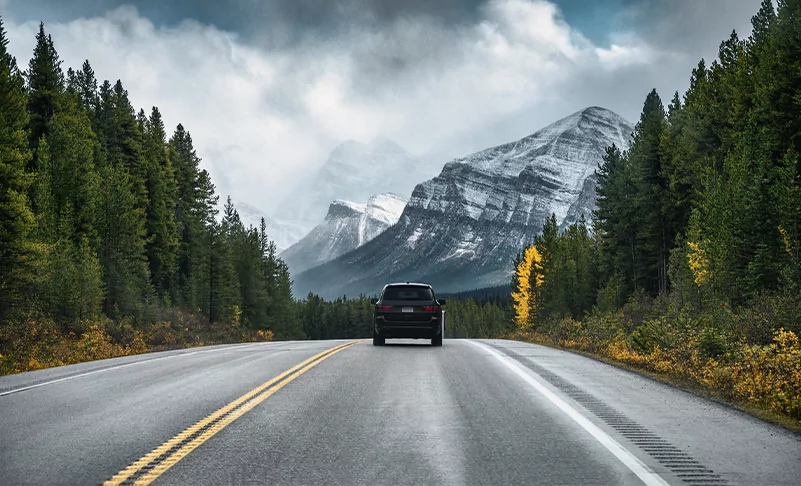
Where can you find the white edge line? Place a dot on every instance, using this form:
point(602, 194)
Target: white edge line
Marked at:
point(636, 466)
point(80, 375)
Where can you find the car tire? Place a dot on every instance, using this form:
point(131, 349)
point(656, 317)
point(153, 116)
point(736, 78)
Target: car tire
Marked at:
point(378, 340)
point(436, 340)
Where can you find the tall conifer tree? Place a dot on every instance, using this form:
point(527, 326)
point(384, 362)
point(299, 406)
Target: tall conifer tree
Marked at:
point(16, 217)
point(45, 86)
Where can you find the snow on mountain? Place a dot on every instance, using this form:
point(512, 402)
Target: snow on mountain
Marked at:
point(347, 226)
point(355, 171)
point(283, 233)
point(461, 229)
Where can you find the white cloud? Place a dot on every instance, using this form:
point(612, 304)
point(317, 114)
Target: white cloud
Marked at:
point(261, 117)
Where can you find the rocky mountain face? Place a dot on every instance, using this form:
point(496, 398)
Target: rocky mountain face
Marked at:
point(283, 233)
point(346, 227)
point(461, 229)
point(355, 171)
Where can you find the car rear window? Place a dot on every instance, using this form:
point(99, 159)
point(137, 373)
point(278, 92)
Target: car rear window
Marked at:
point(408, 293)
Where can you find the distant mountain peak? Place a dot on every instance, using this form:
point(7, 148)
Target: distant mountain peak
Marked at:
point(341, 208)
point(510, 159)
point(347, 226)
point(597, 109)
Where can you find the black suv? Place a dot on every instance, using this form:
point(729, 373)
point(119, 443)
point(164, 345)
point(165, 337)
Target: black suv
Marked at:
point(408, 310)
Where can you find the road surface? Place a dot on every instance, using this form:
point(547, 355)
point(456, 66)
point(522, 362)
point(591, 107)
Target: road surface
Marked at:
point(334, 412)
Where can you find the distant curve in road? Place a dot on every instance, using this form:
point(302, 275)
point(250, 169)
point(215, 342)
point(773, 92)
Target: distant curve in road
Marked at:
point(347, 412)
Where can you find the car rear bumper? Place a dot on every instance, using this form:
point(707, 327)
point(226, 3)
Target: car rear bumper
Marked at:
point(388, 328)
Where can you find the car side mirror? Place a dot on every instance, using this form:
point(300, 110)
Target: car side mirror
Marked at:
point(441, 301)
point(374, 301)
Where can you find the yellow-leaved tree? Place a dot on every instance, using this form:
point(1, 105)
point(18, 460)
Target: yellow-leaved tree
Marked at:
point(698, 260)
point(529, 278)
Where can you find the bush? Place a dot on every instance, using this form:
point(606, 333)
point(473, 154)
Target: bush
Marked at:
point(650, 335)
point(37, 342)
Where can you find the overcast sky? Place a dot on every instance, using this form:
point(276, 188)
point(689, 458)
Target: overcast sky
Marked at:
point(268, 88)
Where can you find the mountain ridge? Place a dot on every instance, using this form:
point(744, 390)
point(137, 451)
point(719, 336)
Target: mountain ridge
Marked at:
point(462, 228)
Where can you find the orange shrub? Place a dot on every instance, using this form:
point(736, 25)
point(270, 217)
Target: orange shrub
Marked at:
point(769, 375)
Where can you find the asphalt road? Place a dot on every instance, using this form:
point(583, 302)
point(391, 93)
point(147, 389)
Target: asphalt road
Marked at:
point(470, 412)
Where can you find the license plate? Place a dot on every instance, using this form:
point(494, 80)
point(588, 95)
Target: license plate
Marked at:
point(408, 309)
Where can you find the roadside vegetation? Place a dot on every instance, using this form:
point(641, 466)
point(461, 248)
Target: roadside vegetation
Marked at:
point(691, 267)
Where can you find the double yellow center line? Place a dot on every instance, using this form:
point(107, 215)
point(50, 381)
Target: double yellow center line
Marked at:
point(154, 464)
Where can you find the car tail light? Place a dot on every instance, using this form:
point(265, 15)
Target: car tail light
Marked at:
point(383, 307)
point(430, 309)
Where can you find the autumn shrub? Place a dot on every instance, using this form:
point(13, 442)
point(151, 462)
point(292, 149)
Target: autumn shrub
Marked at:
point(602, 329)
point(37, 342)
point(708, 350)
point(771, 374)
point(652, 334)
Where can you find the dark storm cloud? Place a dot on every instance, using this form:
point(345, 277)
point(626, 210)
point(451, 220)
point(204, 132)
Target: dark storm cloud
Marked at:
point(688, 25)
point(273, 21)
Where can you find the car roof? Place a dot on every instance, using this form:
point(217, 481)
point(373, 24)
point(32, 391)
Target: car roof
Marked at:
point(407, 284)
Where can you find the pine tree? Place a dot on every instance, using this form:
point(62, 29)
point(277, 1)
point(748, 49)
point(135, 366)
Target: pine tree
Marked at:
point(223, 284)
point(45, 86)
point(224, 293)
point(71, 82)
point(251, 281)
point(577, 258)
point(615, 225)
point(72, 145)
point(86, 85)
point(121, 138)
point(195, 203)
point(762, 22)
point(681, 178)
point(122, 248)
point(16, 217)
point(551, 302)
point(162, 239)
point(200, 257)
point(654, 233)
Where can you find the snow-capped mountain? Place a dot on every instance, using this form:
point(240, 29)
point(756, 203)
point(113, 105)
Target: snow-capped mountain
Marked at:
point(346, 227)
point(462, 228)
point(353, 172)
point(283, 233)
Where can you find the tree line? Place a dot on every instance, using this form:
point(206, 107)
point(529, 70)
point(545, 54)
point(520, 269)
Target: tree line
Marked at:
point(103, 214)
point(352, 318)
point(704, 209)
